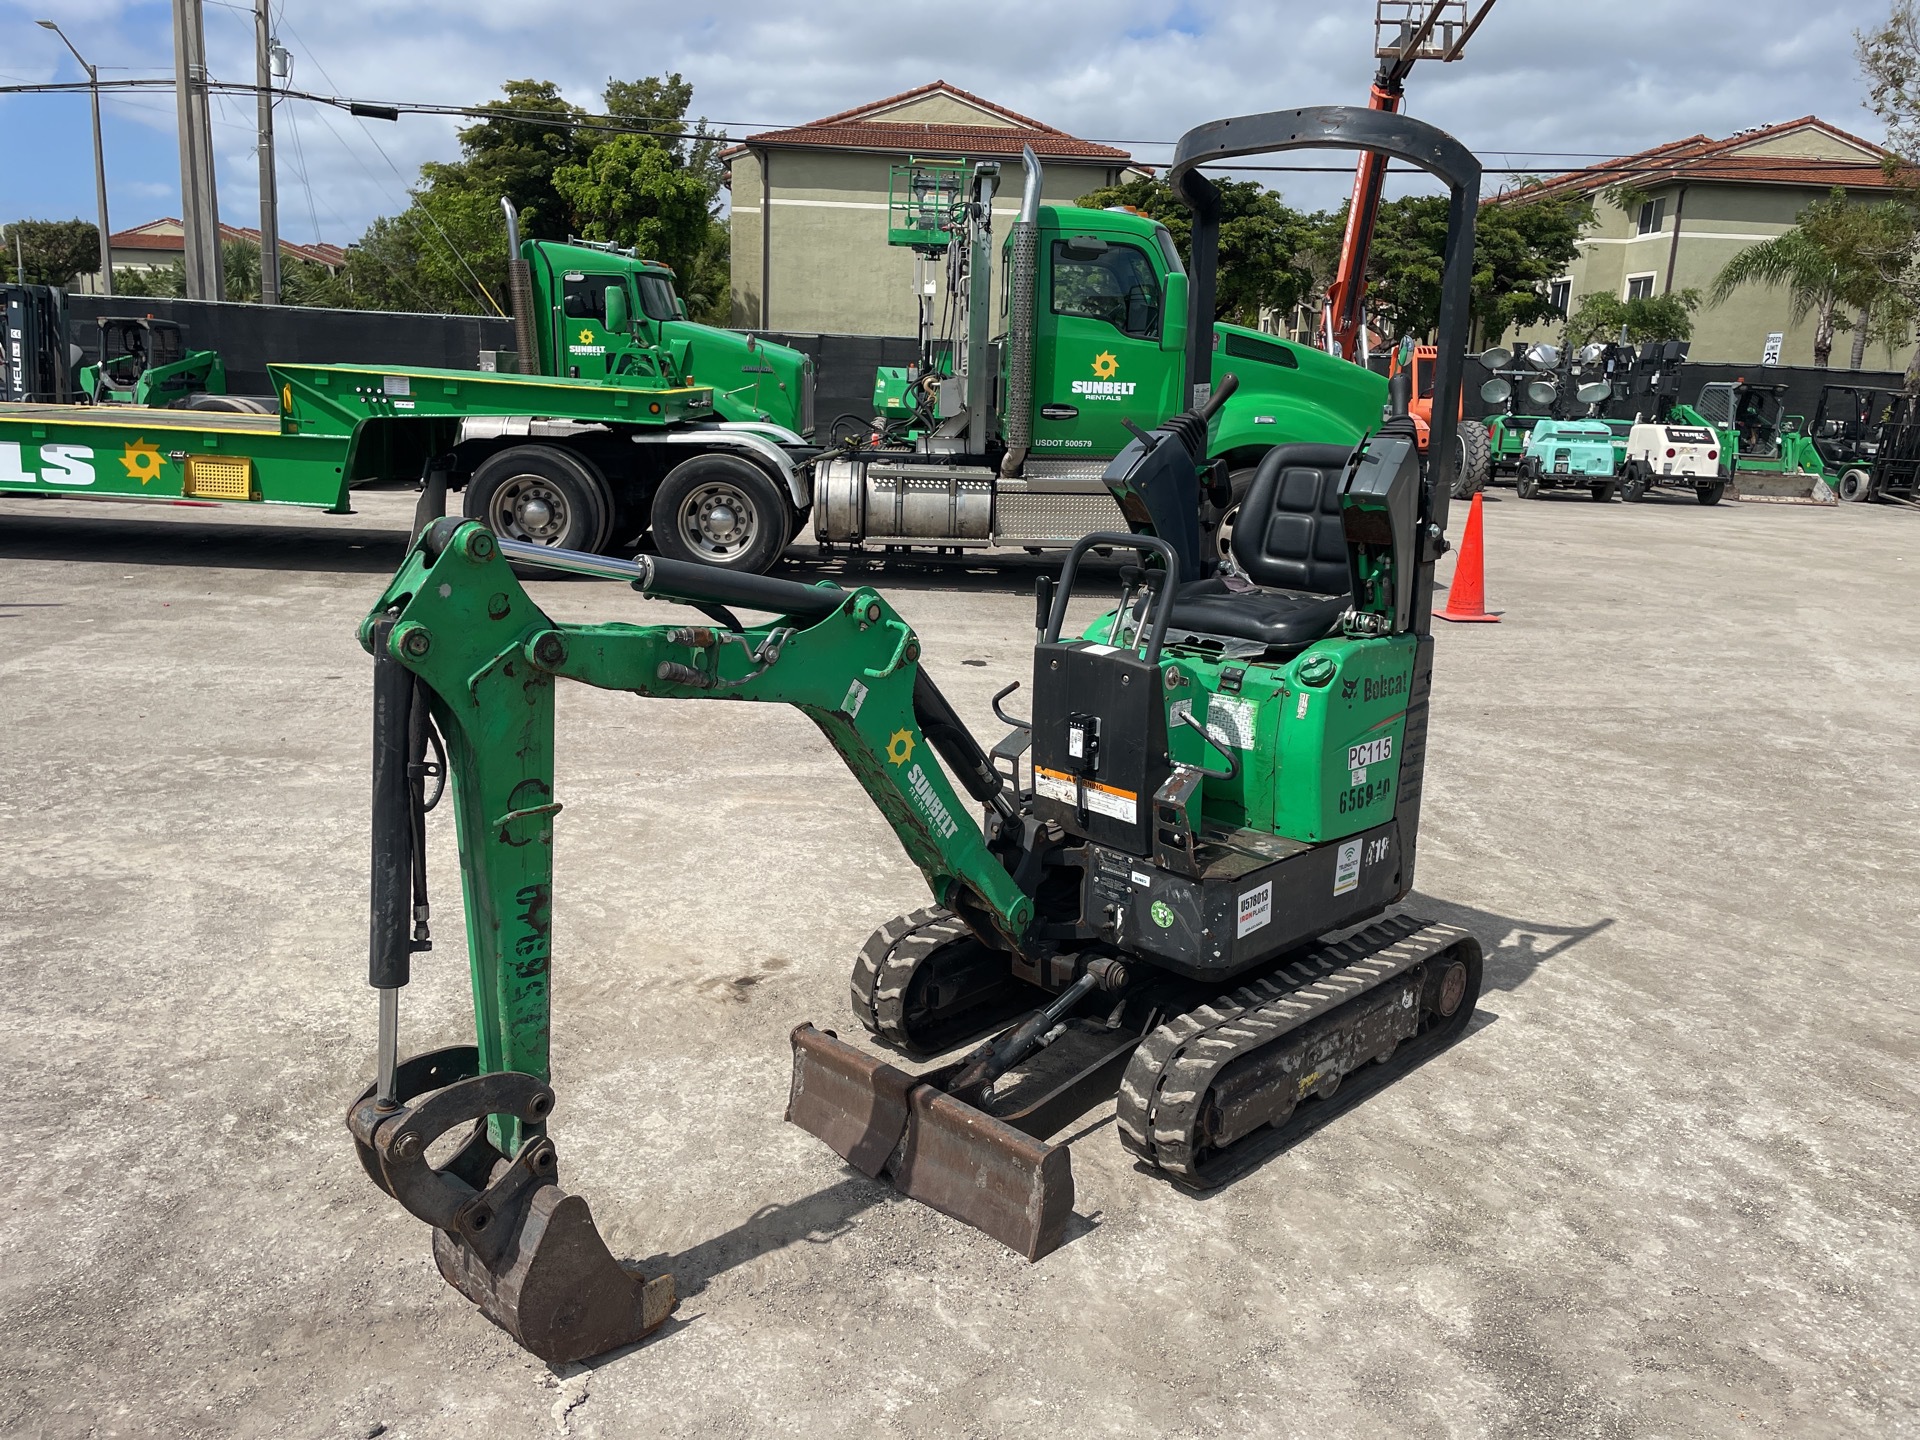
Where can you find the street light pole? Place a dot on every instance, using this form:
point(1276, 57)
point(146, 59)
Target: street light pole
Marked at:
point(99, 159)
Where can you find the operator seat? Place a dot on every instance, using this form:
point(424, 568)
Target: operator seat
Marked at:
point(1289, 543)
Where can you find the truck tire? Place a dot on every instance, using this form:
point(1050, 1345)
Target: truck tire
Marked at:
point(1634, 488)
point(542, 494)
point(1216, 527)
point(1476, 460)
point(1602, 492)
point(721, 510)
point(1855, 485)
point(1527, 480)
point(1710, 494)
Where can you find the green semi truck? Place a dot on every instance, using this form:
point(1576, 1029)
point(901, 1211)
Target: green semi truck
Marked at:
point(973, 448)
point(615, 417)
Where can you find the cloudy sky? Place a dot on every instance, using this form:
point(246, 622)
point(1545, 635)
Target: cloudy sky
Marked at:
point(1580, 77)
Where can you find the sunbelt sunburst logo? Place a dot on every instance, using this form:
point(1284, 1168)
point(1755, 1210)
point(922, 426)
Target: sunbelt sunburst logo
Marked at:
point(1104, 385)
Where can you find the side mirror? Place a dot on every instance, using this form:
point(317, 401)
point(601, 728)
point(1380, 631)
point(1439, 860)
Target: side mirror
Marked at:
point(1173, 323)
point(619, 321)
point(679, 307)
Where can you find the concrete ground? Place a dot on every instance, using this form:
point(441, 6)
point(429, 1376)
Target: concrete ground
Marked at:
point(1665, 1186)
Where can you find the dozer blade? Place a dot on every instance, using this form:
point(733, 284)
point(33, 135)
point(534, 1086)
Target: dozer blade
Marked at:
point(936, 1149)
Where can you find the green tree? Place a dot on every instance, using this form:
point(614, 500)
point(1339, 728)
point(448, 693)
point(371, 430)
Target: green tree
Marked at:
point(158, 282)
point(1264, 243)
point(640, 175)
point(1602, 315)
point(1518, 248)
point(55, 250)
point(1838, 256)
point(633, 191)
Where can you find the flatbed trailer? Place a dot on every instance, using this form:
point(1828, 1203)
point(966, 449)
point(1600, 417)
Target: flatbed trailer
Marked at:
point(343, 425)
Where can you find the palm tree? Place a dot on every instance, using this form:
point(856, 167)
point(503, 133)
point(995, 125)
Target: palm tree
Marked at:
point(1836, 255)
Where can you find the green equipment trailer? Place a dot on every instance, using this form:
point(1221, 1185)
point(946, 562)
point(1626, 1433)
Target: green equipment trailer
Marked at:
point(616, 417)
point(973, 448)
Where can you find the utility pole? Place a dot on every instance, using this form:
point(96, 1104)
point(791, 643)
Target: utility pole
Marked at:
point(99, 158)
point(269, 194)
point(199, 204)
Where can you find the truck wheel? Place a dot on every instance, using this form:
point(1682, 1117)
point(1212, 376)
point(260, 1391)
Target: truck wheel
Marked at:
point(1634, 488)
point(1527, 481)
point(543, 495)
point(1710, 494)
point(720, 510)
point(1475, 462)
point(1602, 493)
point(1216, 527)
point(1855, 485)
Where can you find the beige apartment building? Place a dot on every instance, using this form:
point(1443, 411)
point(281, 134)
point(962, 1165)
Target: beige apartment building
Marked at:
point(809, 211)
point(1701, 202)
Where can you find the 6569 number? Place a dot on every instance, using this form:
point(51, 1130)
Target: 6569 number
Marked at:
point(1359, 797)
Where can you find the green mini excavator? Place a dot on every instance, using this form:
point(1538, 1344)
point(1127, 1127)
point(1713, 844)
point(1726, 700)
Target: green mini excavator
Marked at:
point(1166, 887)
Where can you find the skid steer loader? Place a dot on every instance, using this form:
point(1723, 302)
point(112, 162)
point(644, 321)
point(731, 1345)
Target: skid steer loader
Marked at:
point(1172, 894)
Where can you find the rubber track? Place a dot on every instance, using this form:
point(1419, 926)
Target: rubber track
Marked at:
point(1166, 1084)
point(886, 963)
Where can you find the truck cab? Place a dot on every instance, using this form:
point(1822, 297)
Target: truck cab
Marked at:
point(603, 313)
point(1110, 322)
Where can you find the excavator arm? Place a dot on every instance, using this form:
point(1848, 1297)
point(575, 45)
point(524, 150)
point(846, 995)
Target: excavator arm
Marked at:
point(465, 668)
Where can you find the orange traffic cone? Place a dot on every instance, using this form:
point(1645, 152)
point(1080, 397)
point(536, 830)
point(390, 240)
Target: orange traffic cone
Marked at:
point(1467, 596)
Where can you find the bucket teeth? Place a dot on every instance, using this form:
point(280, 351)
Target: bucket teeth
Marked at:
point(938, 1150)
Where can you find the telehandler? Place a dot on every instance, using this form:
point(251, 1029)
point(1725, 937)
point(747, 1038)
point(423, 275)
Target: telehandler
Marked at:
point(1173, 896)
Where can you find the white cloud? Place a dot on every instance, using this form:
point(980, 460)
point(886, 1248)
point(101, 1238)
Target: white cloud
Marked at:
point(1541, 75)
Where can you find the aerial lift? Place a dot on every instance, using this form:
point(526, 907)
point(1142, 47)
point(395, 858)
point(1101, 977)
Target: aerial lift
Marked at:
point(1404, 31)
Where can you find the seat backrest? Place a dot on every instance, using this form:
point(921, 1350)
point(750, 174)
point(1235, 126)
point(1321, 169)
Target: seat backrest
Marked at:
point(1288, 535)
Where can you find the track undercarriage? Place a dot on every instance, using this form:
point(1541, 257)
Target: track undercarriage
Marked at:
point(1206, 1078)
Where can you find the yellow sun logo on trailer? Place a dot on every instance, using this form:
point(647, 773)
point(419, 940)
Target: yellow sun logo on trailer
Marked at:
point(1106, 365)
point(141, 461)
point(900, 747)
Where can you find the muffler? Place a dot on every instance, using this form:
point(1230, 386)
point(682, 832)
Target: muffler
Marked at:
point(935, 1148)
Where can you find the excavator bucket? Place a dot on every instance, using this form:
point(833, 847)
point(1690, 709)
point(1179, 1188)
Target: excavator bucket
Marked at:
point(505, 1234)
point(934, 1148)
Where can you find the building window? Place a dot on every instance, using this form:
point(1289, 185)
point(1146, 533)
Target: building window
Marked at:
point(1114, 283)
point(1558, 293)
point(1653, 215)
point(1639, 287)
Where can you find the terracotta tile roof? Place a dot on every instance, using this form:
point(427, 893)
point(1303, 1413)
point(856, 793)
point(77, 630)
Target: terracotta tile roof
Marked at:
point(935, 87)
point(165, 234)
point(1701, 158)
point(849, 130)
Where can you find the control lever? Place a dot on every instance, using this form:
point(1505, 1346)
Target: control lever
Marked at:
point(1233, 764)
